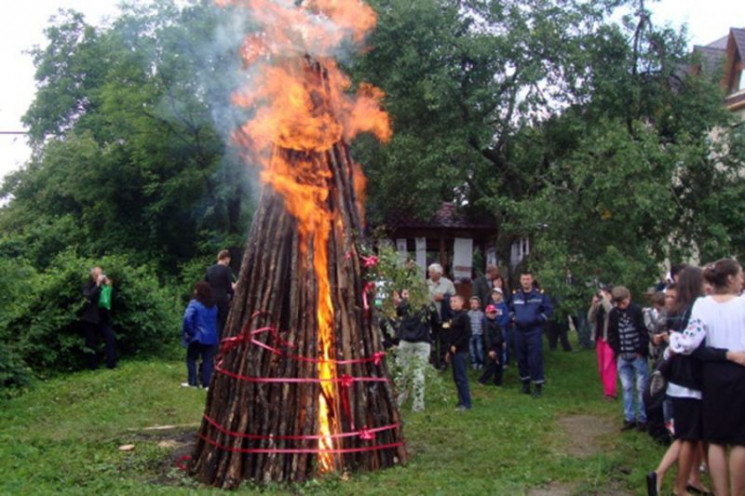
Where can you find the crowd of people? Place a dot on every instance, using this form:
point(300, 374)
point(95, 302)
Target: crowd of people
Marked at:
point(690, 336)
point(476, 332)
point(683, 354)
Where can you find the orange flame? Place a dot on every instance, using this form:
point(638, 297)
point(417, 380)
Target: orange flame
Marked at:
point(304, 113)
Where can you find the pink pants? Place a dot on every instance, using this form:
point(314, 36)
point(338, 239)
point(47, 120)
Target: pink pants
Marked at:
point(607, 367)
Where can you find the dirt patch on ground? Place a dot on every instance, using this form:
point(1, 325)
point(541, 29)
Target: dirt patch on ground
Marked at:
point(554, 489)
point(559, 489)
point(585, 434)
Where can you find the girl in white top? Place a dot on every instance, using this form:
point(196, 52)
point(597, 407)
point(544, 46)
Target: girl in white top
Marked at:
point(720, 320)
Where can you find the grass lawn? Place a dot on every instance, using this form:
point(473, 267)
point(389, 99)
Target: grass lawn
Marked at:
point(63, 437)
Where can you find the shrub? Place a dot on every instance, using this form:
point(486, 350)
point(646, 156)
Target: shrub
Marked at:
point(47, 333)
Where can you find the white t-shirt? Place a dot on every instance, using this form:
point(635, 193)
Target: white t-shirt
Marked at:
point(721, 324)
point(441, 287)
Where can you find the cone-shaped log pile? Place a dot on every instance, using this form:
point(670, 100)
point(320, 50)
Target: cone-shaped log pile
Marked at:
point(264, 409)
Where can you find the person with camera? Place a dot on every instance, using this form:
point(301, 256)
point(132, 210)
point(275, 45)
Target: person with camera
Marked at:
point(598, 317)
point(96, 319)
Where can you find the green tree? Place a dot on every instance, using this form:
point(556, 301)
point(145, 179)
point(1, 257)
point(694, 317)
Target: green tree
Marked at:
point(125, 146)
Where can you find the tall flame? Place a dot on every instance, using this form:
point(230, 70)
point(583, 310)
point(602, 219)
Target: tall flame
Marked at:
point(305, 113)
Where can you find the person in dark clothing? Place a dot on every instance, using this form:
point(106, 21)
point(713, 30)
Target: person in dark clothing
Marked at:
point(459, 335)
point(414, 332)
point(557, 329)
point(530, 309)
point(220, 279)
point(494, 344)
point(628, 337)
point(483, 285)
point(97, 321)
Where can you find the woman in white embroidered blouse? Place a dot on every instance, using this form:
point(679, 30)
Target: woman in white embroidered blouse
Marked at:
point(719, 319)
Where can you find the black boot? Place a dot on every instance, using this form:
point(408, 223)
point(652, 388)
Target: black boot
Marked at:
point(537, 391)
point(526, 387)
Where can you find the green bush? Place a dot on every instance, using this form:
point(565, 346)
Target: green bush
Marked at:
point(47, 334)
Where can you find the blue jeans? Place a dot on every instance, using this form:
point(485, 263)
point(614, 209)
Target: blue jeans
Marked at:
point(193, 353)
point(460, 378)
point(627, 369)
point(476, 349)
point(529, 351)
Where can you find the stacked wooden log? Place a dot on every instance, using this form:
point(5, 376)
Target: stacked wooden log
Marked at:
point(261, 420)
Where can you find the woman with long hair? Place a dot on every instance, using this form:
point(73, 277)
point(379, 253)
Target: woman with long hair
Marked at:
point(717, 324)
point(684, 392)
point(199, 334)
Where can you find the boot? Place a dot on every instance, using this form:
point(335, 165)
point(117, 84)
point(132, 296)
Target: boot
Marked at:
point(526, 387)
point(537, 391)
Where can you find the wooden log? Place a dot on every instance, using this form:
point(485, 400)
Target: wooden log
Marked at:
point(247, 422)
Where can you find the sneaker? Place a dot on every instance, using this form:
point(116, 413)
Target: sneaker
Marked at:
point(462, 408)
point(537, 391)
point(186, 384)
point(628, 425)
point(641, 426)
point(526, 388)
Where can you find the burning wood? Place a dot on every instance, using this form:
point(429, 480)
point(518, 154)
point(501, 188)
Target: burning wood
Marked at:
point(301, 385)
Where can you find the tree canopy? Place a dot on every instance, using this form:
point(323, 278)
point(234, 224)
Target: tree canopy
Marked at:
point(583, 131)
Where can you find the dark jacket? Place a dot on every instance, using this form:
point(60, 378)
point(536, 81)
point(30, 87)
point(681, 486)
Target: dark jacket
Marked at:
point(415, 327)
point(687, 370)
point(530, 311)
point(460, 331)
point(482, 288)
point(493, 338)
point(91, 312)
point(199, 324)
point(637, 332)
point(220, 278)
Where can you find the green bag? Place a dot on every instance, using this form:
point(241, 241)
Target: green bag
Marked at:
point(104, 301)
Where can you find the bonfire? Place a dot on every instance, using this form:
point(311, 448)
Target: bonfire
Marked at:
point(301, 385)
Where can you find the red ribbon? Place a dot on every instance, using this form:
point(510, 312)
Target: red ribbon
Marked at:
point(179, 463)
point(369, 262)
point(369, 286)
point(377, 357)
point(346, 383)
point(366, 434)
point(218, 368)
point(310, 437)
point(309, 451)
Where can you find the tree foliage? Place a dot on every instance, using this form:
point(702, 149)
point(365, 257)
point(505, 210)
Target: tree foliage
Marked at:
point(128, 158)
point(587, 135)
point(40, 317)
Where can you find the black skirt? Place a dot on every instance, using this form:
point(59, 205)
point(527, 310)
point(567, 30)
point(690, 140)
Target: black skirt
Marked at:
point(724, 403)
point(687, 418)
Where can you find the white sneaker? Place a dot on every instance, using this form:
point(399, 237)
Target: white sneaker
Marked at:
point(186, 384)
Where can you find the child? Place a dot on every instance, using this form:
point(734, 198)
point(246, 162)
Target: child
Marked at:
point(459, 335)
point(494, 340)
point(199, 334)
point(476, 343)
point(503, 319)
point(629, 339)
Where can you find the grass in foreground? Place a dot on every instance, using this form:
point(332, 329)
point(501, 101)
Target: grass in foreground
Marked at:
point(64, 438)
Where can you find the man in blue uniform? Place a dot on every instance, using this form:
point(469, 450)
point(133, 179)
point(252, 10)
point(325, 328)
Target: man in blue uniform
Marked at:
point(530, 310)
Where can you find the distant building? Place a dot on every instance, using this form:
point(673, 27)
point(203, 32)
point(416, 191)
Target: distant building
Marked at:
point(727, 55)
